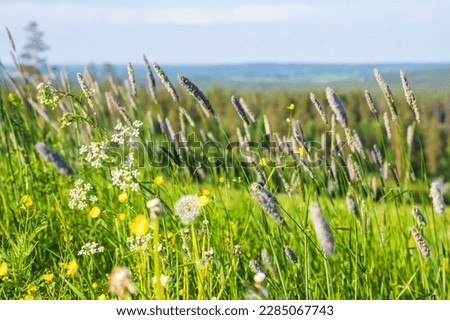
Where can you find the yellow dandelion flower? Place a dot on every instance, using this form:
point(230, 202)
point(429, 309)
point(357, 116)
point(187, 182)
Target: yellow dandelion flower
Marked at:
point(94, 285)
point(28, 297)
point(102, 297)
point(159, 180)
point(222, 180)
point(26, 201)
point(32, 289)
point(72, 267)
point(48, 277)
point(123, 197)
point(302, 151)
point(169, 234)
point(94, 213)
point(109, 186)
point(263, 162)
point(206, 192)
point(140, 225)
point(3, 269)
point(291, 106)
point(122, 216)
point(203, 201)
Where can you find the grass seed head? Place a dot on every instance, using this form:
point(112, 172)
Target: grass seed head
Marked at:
point(290, 254)
point(421, 243)
point(436, 194)
point(194, 91)
point(48, 154)
point(322, 228)
point(337, 107)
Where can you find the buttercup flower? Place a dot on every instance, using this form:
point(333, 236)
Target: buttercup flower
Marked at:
point(159, 180)
point(95, 212)
point(123, 197)
point(3, 269)
point(140, 225)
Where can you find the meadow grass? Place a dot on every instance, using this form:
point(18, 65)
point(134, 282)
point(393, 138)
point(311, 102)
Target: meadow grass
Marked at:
point(104, 196)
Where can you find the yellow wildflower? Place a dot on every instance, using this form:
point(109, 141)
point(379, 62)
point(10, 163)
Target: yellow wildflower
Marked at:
point(72, 267)
point(122, 216)
point(109, 186)
point(123, 197)
point(102, 297)
point(159, 180)
point(206, 192)
point(169, 234)
point(288, 120)
point(94, 213)
point(140, 225)
point(3, 269)
point(291, 106)
point(26, 201)
point(263, 162)
point(222, 180)
point(28, 297)
point(32, 289)
point(302, 151)
point(48, 277)
point(203, 201)
point(94, 285)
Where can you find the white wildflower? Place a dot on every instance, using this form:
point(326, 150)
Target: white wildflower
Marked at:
point(126, 134)
point(125, 178)
point(79, 195)
point(139, 243)
point(95, 153)
point(187, 208)
point(90, 248)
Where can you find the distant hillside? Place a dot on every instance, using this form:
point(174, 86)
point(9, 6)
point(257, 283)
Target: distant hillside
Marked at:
point(434, 77)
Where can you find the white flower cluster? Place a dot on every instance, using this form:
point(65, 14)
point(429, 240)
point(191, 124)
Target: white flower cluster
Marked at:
point(125, 133)
point(123, 178)
point(90, 248)
point(79, 195)
point(95, 153)
point(139, 243)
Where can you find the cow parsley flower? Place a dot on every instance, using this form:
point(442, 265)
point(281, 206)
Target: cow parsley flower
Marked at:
point(90, 248)
point(139, 243)
point(95, 153)
point(79, 195)
point(125, 133)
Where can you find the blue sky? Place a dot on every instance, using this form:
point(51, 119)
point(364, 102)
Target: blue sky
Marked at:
point(232, 31)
